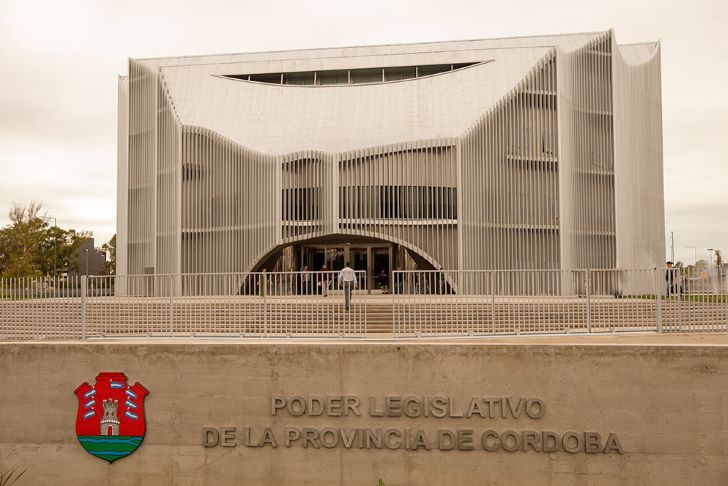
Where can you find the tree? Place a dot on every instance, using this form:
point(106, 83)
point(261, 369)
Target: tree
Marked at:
point(110, 249)
point(29, 247)
point(59, 251)
point(701, 265)
point(20, 241)
point(719, 263)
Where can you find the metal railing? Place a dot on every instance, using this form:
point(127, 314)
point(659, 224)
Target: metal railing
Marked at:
point(40, 308)
point(262, 304)
point(515, 302)
point(312, 304)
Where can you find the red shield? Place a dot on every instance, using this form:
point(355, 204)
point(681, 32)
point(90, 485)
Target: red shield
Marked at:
point(110, 418)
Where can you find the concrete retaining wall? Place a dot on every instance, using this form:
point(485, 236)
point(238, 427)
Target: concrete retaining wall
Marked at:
point(666, 405)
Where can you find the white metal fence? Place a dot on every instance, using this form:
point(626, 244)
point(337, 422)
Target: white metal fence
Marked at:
point(423, 303)
point(514, 302)
point(238, 305)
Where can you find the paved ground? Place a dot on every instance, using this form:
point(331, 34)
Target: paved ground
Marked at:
point(635, 339)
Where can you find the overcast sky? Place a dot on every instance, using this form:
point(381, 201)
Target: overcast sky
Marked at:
point(59, 62)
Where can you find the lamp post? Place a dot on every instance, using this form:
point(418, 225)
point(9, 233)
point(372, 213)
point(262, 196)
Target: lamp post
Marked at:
point(85, 250)
point(710, 255)
point(55, 243)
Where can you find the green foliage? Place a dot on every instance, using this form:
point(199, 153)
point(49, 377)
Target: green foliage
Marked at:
point(29, 247)
point(381, 483)
point(110, 249)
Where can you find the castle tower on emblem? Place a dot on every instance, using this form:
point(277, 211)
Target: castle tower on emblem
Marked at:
point(109, 421)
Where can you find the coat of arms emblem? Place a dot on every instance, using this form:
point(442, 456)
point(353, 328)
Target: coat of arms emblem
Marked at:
point(110, 418)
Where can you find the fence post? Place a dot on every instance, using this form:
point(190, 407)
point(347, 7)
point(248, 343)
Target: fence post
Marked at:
point(171, 311)
point(725, 296)
point(364, 309)
point(84, 280)
point(492, 302)
point(658, 301)
point(679, 314)
point(393, 286)
point(588, 301)
point(263, 285)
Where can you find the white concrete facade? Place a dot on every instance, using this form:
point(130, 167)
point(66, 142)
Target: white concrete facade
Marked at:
point(522, 153)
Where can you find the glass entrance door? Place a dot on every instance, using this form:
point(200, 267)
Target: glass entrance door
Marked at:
point(316, 257)
point(358, 259)
point(335, 258)
point(381, 269)
point(313, 258)
point(375, 260)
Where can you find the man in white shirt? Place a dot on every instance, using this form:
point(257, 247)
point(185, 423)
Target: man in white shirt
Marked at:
point(347, 280)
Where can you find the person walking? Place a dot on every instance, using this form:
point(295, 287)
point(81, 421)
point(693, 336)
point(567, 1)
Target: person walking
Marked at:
point(324, 280)
point(347, 280)
point(670, 278)
point(263, 282)
point(305, 281)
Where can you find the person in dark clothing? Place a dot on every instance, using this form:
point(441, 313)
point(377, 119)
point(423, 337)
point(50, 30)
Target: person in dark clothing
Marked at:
point(383, 280)
point(306, 281)
point(670, 279)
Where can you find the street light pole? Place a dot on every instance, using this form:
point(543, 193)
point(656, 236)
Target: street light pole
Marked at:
point(55, 244)
point(85, 250)
point(710, 255)
point(55, 247)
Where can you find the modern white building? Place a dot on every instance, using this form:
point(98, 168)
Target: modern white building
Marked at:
point(520, 153)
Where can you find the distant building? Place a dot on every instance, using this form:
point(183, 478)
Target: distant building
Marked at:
point(523, 153)
point(90, 260)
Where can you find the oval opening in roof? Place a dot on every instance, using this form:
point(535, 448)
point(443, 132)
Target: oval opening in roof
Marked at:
point(338, 77)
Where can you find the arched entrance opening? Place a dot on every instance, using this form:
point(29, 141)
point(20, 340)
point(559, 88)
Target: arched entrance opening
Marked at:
point(376, 256)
